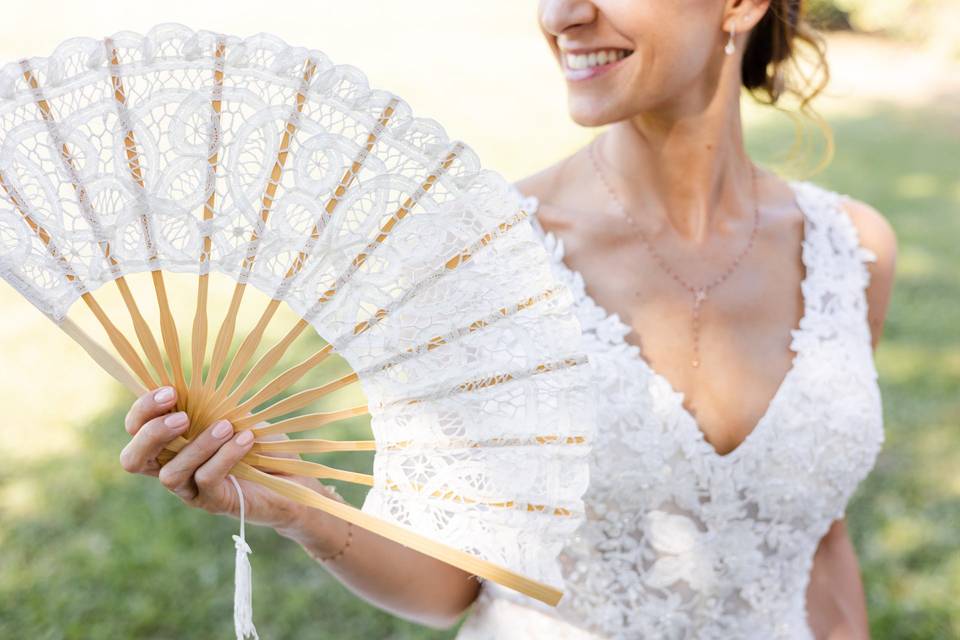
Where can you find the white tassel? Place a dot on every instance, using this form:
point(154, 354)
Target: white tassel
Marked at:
point(243, 588)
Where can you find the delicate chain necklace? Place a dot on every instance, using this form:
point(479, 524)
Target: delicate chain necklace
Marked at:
point(699, 293)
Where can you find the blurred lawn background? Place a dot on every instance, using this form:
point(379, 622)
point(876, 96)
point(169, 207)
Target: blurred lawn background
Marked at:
point(88, 551)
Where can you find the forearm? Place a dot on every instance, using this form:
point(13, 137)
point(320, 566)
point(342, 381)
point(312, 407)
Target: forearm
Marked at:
point(836, 602)
point(387, 574)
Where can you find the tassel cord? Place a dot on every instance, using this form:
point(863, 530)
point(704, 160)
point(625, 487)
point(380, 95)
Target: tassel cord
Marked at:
point(243, 578)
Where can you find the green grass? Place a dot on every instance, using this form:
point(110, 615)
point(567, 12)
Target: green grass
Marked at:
point(88, 551)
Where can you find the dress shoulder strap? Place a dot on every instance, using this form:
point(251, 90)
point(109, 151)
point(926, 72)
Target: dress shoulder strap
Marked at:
point(553, 245)
point(825, 207)
point(838, 259)
point(603, 330)
point(530, 204)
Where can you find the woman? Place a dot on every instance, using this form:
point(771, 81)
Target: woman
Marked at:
point(728, 450)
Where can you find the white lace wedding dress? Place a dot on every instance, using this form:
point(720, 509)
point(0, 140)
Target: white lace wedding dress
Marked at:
point(680, 541)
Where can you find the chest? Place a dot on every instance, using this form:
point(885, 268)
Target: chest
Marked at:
point(818, 441)
point(816, 419)
point(729, 350)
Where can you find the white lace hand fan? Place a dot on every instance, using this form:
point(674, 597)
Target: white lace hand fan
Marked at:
point(247, 158)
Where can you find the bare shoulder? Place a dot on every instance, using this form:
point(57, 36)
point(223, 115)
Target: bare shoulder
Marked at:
point(877, 235)
point(551, 186)
point(536, 184)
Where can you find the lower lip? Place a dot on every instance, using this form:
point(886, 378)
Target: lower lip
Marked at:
point(575, 75)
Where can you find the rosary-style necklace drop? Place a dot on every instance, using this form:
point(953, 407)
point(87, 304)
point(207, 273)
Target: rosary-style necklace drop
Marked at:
point(699, 293)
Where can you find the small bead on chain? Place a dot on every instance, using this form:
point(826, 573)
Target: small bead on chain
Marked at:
point(699, 293)
point(345, 546)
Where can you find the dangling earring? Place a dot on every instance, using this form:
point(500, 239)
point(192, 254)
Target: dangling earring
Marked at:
point(730, 47)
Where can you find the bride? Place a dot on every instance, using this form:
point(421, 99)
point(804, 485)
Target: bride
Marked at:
point(730, 317)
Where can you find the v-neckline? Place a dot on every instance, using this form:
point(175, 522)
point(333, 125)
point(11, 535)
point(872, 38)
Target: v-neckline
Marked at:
point(678, 397)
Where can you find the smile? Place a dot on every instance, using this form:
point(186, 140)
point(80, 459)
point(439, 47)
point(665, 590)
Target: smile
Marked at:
point(582, 65)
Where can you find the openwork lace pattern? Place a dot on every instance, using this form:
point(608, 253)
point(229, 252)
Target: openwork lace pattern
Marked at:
point(679, 541)
point(447, 443)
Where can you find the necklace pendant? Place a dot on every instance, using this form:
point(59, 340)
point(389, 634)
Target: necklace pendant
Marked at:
point(699, 296)
point(695, 363)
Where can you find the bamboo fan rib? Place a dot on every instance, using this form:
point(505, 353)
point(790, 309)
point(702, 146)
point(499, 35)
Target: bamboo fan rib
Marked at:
point(184, 151)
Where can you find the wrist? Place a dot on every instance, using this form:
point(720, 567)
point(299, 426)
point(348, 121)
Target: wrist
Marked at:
point(301, 525)
point(320, 534)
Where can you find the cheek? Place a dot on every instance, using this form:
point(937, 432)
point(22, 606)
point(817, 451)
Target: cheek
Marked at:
point(670, 63)
point(674, 39)
point(680, 58)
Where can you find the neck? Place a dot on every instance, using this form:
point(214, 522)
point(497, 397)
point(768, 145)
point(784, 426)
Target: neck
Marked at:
point(686, 167)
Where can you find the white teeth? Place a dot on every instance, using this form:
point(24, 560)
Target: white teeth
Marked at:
point(595, 59)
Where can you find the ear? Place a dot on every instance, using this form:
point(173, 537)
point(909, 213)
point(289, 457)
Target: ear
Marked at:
point(744, 14)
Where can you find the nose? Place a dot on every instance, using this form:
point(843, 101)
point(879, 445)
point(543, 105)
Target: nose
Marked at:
point(557, 16)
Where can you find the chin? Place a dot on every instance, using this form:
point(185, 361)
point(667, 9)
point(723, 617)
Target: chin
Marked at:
point(592, 111)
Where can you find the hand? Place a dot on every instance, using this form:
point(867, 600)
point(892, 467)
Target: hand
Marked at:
point(197, 474)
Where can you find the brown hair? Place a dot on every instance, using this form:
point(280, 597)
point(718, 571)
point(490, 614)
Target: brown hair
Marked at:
point(773, 66)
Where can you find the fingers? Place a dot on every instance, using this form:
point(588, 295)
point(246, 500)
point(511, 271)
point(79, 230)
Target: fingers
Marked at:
point(210, 476)
point(178, 474)
point(140, 454)
point(148, 406)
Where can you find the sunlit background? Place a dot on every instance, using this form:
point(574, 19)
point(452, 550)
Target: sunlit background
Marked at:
point(87, 551)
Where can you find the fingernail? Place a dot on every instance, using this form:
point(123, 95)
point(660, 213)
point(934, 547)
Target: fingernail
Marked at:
point(222, 430)
point(245, 437)
point(176, 420)
point(163, 395)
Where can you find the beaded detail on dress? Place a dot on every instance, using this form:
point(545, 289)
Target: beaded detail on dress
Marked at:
point(680, 541)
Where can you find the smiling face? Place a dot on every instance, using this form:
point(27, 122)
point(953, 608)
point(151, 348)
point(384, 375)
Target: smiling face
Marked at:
point(623, 57)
